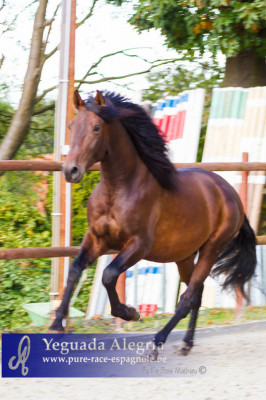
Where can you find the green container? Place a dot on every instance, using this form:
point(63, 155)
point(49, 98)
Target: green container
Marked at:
point(39, 313)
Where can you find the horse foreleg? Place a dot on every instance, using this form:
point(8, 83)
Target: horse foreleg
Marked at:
point(90, 250)
point(129, 256)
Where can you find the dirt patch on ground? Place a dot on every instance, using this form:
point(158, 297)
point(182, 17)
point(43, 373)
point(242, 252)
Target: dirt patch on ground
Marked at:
point(225, 363)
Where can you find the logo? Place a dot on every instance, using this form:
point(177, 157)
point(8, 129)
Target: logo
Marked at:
point(23, 355)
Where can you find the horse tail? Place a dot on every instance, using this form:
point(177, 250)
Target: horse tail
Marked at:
point(238, 260)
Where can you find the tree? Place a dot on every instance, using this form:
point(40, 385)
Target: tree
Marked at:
point(20, 123)
point(175, 79)
point(30, 98)
point(41, 131)
point(200, 27)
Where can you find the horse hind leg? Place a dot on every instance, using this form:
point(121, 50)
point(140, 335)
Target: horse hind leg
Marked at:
point(185, 269)
point(207, 257)
point(190, 298)
point(188, 340)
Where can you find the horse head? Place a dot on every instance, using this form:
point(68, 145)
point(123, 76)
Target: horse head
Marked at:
point(87, 141)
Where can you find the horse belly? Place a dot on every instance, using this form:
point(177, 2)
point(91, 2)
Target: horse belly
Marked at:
point(172, 251)
point(176, 238)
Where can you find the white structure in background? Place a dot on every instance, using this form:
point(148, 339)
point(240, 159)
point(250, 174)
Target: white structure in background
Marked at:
point(237, 124)
point(179, 118)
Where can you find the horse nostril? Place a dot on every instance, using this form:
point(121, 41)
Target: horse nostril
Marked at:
point(74, 171)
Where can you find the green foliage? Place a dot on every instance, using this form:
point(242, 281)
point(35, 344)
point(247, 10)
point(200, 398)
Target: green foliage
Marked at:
point(40, 137)
point(82, 300)
point(22, 225)
point(207, 317)
point(81, 193)
point(6, 112)
point(198, 26)
point(80, 196)
point(262, 222)
point(171, 81)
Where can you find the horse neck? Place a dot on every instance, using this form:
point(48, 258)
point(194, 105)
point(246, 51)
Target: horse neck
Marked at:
point(121, 161)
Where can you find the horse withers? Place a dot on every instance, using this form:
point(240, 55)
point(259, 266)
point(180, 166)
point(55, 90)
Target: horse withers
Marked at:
point(145, 209)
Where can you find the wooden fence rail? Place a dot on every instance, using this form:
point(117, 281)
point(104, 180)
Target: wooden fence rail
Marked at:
point(42, 252)
point(36, 165)
point(50, 252)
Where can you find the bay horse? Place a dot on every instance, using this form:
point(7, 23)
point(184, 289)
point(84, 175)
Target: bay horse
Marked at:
point(145, 209)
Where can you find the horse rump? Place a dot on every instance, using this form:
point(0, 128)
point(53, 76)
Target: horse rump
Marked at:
point(238, 260)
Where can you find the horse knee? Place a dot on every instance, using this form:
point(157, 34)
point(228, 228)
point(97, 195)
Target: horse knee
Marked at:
point(109, 277)
point(74, 273)
point(82, 261)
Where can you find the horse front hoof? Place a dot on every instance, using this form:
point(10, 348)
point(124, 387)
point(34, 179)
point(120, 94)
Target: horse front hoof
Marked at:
point(135, 315)
point(185, 349)
point(128, 313)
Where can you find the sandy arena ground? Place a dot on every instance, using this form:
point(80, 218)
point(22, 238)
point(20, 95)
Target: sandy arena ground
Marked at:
point(234, 367)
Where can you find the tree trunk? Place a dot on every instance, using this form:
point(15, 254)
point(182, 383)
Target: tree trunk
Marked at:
point(246, 69)
point(21, 121)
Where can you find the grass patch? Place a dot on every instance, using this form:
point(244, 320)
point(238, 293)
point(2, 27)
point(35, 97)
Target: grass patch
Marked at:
point(207, 317)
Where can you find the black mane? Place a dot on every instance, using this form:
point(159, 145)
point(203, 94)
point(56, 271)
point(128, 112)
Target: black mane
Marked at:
point(148, 141)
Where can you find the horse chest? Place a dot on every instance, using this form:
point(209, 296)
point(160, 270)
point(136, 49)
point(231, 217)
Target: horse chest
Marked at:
point(106, 227)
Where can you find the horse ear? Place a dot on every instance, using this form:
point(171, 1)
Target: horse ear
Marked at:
point(99, 100)
point(77, 100)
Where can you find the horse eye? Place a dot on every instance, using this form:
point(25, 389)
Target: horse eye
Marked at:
point(96, 128)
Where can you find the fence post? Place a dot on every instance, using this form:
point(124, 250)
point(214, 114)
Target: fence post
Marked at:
point(244, 198)
point(64, 112)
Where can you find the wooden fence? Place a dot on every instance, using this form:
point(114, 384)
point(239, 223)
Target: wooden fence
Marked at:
point(50, 252)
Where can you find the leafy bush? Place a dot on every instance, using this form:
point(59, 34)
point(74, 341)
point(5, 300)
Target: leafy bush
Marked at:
point(22, 225)
point(80, 196)
point(81, 193)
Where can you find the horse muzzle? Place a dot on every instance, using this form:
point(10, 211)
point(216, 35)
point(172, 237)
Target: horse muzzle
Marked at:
point(72, 173)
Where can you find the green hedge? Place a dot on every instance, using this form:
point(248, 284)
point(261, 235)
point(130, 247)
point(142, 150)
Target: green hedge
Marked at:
point(23, 225)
